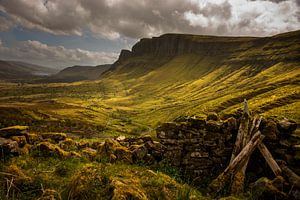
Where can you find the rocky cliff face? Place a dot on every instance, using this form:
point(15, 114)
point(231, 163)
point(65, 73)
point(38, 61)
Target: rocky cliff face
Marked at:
point(232, 49)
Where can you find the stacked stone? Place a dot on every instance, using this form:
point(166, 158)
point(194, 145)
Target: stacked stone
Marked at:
point(201, 148)
point(283, 141)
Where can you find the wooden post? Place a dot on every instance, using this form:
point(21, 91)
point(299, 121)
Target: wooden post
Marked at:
point(218, 184)
point(243, 130)
point(269, 158)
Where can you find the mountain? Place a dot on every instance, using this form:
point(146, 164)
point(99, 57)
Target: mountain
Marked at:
point(77, 73)
point(178, 74)
point(21, 70)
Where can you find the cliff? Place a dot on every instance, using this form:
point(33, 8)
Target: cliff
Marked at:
point(283, 47)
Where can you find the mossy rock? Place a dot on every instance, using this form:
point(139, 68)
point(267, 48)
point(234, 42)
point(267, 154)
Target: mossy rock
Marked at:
point(212, 116)
point(13, 131)
point(127, 189)
point(33, 138)
point(264, 188)
point(89, 153)
point(47, 149)
point(21, 140)
point(56, 137)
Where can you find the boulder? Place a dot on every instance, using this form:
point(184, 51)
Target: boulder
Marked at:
point(8, 147)
point(54, 136)
point(287, 126)
point(48, 149)
point(13, 131)
point(33, 138)
point(139, 153)
point(269, 129)
point(229, 126)
point(89, 152)
point(21, 140)
point(213, 126)
point(212, 116)
point(264, 188)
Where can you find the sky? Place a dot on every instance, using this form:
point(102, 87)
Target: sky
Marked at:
point(62, 33)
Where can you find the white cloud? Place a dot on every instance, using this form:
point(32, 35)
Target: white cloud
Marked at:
point(54, 56)
point(143, 18)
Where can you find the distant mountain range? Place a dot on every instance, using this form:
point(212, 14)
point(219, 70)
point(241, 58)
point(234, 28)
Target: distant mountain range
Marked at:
point(12, 70)
point(77, 73)
point(16, 71)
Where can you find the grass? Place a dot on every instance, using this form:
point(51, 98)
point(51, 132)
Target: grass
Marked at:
point(75, 178)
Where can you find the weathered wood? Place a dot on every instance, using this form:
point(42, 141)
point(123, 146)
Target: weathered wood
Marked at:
point(269, 158)
point(218, 184)
point(243, 130)
point(246, 152)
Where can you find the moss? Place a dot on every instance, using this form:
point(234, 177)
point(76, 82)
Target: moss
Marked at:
point(21, 140)
point(26, 149)
point(48, 149)
point(89, 183)
point(237, 186)
point(127, 189)
point(32, 138)
point(56, 137)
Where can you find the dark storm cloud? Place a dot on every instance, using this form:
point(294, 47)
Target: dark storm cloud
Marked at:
point(143, 18)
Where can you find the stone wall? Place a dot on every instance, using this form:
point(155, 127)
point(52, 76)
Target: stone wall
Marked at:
point(202, 148)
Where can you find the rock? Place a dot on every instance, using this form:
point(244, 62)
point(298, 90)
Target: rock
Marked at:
point(213, 126)
point(120, 138)
point(89, 152)
point(123, 154)
point(48, 149)
point(54, 136)
point(199, 155)
point(139, 153)
point(287, 126)
point(33, 138)
point(197, 123)
point(13, 131)
point(270, 131)
point(264, 188)
point(8, 147)
point(26, 149)
point(213, 117)
point(146, 138)
point(229, 126)
point(21, 140)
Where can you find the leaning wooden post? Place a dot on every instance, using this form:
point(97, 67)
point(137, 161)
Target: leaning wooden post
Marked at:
point(269, 158)
point(218, 184)
point(243, 129)
point(244, 135)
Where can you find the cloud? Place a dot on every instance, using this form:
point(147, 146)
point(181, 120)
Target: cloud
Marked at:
point(5, 24)
point(144, 18)
point(54, 56)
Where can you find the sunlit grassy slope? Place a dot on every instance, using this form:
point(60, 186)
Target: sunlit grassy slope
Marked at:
point(157, 83)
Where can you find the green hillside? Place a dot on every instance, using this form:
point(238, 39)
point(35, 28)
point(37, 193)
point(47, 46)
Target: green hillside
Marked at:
point(163, 78)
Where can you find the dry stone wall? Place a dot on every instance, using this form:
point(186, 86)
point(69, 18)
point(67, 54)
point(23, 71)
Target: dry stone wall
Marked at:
point(202, 148)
